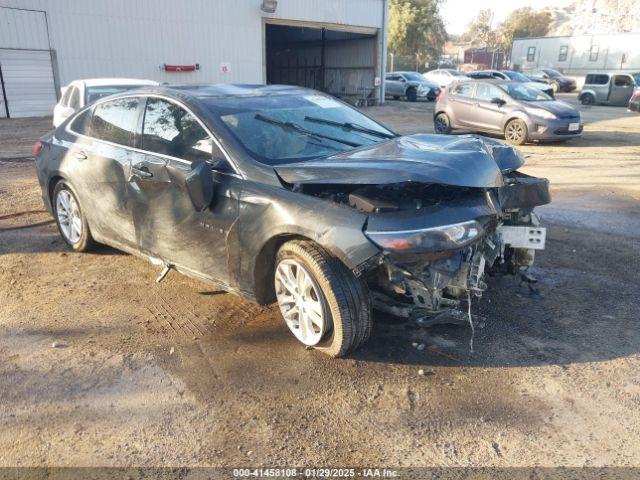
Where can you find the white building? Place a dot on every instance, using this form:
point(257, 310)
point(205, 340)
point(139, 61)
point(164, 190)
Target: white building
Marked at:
point(579, 54)
point(335, 45)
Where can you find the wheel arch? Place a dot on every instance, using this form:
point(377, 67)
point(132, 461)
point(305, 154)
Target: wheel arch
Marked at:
point(264, 265)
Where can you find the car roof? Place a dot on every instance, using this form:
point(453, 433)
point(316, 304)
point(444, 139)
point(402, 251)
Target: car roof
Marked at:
point(228, 90)
point(103, 82)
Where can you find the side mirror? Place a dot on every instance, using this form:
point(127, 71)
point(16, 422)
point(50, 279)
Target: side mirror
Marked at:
point(200, 186)
point(498, 101)
point(402, 79)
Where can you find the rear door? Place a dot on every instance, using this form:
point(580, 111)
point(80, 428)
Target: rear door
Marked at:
point(99, 167)
point(462, 104)
point(621, 89)
point(166, 223)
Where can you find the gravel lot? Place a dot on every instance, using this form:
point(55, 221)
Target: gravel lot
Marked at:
point(100, 366)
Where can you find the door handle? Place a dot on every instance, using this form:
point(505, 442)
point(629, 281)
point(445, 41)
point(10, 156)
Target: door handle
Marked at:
point(141, 171)
point(80, 155)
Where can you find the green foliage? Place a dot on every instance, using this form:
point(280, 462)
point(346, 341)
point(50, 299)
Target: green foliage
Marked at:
point(524, 23)
point(416, 28)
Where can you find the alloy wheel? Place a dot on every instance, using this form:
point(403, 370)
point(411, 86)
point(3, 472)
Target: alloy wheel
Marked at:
point(515, 132)
point(300, 302)
point(68, 215)
point(442, 124)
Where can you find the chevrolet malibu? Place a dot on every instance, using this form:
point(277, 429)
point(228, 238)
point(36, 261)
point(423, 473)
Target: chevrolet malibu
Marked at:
point(519, 112)
point(284, 194)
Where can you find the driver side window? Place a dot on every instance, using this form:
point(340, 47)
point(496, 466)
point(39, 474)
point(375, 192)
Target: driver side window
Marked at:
point(169, 129)
point(487, 92)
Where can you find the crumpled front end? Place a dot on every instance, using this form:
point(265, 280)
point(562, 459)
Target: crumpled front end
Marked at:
point(427, 272)
point(444, 211)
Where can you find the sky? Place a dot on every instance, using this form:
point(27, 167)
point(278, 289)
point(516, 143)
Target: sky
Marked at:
point(458, 13)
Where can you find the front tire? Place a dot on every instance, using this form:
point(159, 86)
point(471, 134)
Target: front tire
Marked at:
point(555, 86)
point(71, 221)
point(515, 132)
point(324, 305)
point(442, 124)
point(587, 99)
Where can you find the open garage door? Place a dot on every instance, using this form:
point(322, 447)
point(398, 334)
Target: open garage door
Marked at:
point(27, 83)
point(339, 62)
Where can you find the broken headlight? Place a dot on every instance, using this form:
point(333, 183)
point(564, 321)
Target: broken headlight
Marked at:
point(446, 237)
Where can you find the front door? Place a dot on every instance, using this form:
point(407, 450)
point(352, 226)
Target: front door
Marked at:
point(166, 223)
point(621, 90)
point(488, 115)
point(394, 86)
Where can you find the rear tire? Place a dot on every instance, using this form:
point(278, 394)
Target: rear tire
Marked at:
point(587, 99)
point(515, 132)
point(71, 221)
point(345, 300)
point(412, 94)
point(442, 124)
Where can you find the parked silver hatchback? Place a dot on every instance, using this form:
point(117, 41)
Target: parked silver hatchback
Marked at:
point(609, 88)
point(521, 113)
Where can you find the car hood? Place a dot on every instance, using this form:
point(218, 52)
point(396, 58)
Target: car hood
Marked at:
point(556, 107)
point(464, 161)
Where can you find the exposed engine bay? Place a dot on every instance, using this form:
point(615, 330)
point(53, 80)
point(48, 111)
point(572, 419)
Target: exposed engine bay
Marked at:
point(440, 240)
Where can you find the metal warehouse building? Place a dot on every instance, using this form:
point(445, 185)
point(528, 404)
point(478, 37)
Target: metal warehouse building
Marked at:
point(579, 54)
point(333, 45)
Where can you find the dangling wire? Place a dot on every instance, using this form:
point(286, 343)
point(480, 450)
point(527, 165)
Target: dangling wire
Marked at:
point(473, 330)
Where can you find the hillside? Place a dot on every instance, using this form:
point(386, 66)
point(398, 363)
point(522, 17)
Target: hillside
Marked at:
point(596, 16)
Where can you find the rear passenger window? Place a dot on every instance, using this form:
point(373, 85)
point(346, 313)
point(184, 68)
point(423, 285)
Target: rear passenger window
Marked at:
point(463, 89)
point(622, 81)
point(82, 123)
point(116, 121)
point(170, 130)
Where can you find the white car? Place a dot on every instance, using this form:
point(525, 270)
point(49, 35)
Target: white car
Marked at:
point(80, 93)
point(445, 76)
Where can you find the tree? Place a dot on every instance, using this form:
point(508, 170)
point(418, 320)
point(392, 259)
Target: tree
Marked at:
point(416, 29)
point(480, 31)
point(523, 23)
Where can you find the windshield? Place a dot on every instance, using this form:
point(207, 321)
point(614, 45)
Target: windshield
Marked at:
point(278, 129)
point(414, 77)
point(96, 93)
point(518, 77)
point(636, 77)
point(519, 91)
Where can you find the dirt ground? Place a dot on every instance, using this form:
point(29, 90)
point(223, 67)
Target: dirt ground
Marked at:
point(99, 366)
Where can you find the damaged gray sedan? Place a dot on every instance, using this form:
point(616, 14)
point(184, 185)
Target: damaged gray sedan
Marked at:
point(284, 194)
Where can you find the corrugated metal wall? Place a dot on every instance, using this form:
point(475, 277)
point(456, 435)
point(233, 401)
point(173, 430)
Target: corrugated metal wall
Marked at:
point(610, 49)
point(95, 38)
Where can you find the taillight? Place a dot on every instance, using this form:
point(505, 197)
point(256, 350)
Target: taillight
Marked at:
point(439, 95)
point(635, 96)
point(37, 148)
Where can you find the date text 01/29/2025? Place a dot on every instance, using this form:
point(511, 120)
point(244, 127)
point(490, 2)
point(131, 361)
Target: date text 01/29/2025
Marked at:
point(315, 473)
